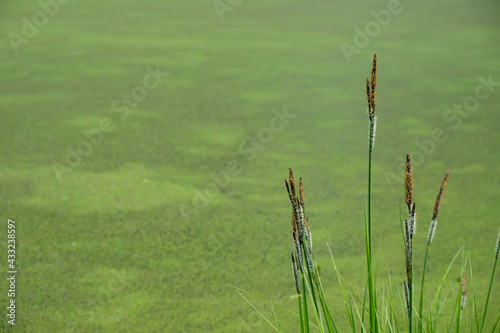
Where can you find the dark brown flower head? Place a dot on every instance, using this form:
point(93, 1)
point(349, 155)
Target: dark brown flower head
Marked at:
point(408, 183)
point(368, 96)
point(371, 88)
point(437, 204)
point(374, 81)
point(295, 213)
point(291, 194)
point(301, 193)
point(292, 185)
point(297, 207)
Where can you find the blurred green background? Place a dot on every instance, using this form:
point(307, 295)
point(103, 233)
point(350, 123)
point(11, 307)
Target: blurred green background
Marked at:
point(139, 198)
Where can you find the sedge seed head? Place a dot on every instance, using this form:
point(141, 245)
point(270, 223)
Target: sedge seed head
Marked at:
point(295, 227)
point(301, 192)
point(439, 197)
point(371, 87)
point(497, 248)
point(432, 229)
point(407, 298)
point(373, 132)
point(408, 183)
point(463, 301)
point(413, 220)
point(368, 97)
point(295, 275)
point(373, 83)
point(292, 185)
point(464, 293)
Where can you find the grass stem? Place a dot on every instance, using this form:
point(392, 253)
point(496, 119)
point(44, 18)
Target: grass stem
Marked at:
point(420, 309)
point(489, 291)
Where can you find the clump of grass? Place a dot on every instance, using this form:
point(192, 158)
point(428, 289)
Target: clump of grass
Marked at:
point(307, 279)
point(382, 315)
point(306, 275)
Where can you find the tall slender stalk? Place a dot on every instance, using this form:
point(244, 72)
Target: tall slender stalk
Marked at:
point(410, 287)
point(420, 309)
point(430, 237)
point(410, 226)
point(408, 284)
point(497, 251)
point(368, 226)
point(371, 86)
point(305, 318)
point(301, 315)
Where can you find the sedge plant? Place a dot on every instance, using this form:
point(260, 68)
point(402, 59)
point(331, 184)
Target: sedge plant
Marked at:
point(313, 311)
point(310, 291)
point(303, 266)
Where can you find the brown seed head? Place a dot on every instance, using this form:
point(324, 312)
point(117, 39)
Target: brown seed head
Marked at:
point(437, 204)
point(301, 193)
point(292, 184)
point(295, 228)
point(408, 183)
point(295, 275)
point(287, 187)
point(368, 97)
point(295, 213)
point(291, 195)
point(373, 83)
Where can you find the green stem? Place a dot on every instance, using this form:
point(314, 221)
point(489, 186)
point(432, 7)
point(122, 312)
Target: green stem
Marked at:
point(489, 291)
point(301, 314)
point(368, 230)
point(305, 318)
point(410, 294)
point(308, 274)
point(459, 314)
point(420, 310)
